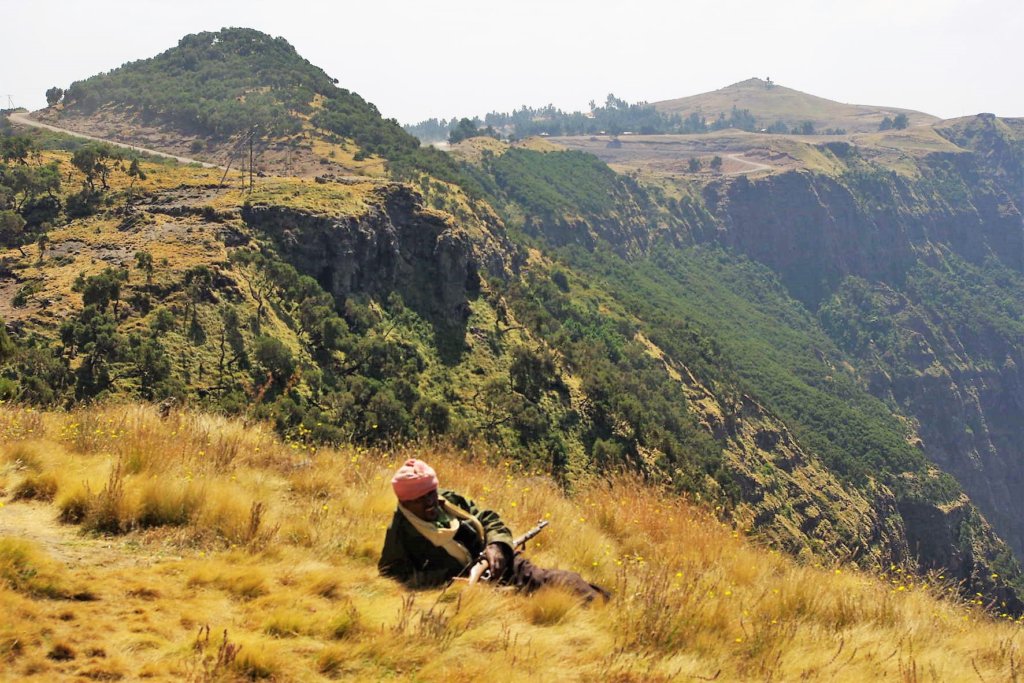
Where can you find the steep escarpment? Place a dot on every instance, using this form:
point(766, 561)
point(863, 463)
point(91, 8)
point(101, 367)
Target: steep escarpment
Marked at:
point(806, 456)
point(918, 276)
point(788, 497)
point(814, 229)
point(949, 355)
point(395, 245)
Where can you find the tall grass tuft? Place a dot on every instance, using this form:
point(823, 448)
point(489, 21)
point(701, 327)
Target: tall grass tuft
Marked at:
point(163, 503)
point(110, 511)
point(550, 605)
point(26, 569)
point(36, 486)
point(24, 455)
point(344, 623)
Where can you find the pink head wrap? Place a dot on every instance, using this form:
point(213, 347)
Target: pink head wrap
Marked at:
point(414, 479)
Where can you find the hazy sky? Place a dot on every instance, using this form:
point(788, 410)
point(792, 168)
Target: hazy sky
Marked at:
point(417, 59)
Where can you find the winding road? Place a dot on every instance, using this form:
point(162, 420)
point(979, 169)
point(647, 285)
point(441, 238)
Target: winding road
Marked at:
point(23, 119)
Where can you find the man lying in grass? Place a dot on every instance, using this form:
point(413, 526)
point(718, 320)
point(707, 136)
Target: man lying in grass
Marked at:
point(436, 536)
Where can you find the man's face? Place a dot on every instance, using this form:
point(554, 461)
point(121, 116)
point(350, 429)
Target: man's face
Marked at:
point(425, 507)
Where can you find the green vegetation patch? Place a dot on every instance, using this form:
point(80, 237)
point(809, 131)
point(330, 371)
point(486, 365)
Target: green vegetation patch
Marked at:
point(208, 83)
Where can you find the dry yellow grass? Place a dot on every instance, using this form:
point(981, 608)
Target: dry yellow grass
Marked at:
point(239, 556)
point(329, 198)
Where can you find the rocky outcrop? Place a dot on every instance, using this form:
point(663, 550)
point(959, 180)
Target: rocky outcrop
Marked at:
point(954, 540)
point(396, 245)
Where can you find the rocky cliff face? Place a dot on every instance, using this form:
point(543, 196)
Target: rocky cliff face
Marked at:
point(956, 541)
point(909, 244)
point(397, 245)
point(814, 229)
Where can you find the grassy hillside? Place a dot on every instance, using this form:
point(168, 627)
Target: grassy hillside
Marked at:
point(197, 548)
point(769, 103)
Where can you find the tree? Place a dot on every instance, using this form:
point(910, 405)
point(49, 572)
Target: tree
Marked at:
point(530, 373)
point(135, 173)
point(695, 123)
point(275, 357)
point(16, 148)
point(6, 345)
point(152, 366)
point(900, 122)
point(91, 160)
point(144, 260)
point(465, 130)
point(54, 95)
point(12, 229)
point(28, 182)
point(161, 322)
point(886, 124)
point(42, 242)
point(716, 163)
point(693, 165)
point(806, 128)
point(103, 289)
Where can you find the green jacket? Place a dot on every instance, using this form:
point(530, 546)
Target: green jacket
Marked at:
point(411, 558)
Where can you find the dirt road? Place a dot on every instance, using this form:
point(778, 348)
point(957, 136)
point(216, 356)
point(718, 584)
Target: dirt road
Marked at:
point(755, 166)
point(37, 522)
point(23, 119)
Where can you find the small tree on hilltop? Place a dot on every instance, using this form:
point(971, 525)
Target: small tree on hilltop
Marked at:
point(463, 131)
point(900, 122)
point(693, 165)
point(135, 173)
point(886, 124)
point(54, 95)
point(716, 164)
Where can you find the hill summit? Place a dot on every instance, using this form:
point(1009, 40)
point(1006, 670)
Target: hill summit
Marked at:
point(771, 103)
point(207, 95)
point(214, 83)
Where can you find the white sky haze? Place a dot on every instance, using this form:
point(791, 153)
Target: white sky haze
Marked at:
point(417, 59)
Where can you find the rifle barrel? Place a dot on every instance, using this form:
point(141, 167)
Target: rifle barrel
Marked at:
point(529, 534)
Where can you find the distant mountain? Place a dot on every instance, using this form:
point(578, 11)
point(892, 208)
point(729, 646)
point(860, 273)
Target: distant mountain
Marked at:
point(770, 103)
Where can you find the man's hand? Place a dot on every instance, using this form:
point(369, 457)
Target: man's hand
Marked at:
point(494, 553)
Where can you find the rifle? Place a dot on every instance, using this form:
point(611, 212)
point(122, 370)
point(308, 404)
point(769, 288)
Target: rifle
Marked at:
point(482, 566)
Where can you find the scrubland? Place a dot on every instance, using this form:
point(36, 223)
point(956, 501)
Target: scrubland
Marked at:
point(194, 547)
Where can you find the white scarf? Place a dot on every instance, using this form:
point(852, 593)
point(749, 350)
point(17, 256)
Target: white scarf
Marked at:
point(444, 537)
